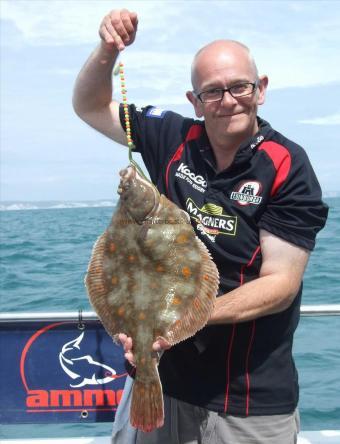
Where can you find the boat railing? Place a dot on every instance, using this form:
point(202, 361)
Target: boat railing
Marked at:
point(306, 310)
point(305, 437)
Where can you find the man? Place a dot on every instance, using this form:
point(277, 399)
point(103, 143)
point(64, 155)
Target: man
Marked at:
point(254, 200)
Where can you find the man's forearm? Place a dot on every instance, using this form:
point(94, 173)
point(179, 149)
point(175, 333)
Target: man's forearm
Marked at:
point(263, 296)
point(93, 88)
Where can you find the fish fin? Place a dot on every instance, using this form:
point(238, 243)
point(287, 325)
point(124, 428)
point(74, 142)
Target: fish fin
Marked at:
point(202, 305)
point(95, 285)
point(94, 275)
point(147, 411)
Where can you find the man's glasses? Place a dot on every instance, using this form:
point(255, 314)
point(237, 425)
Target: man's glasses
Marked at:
point(236, 91)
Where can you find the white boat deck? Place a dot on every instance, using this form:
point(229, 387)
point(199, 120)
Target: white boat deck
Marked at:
point(315, 437)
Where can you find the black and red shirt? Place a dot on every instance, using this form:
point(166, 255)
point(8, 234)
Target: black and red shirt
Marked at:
point(245, 368)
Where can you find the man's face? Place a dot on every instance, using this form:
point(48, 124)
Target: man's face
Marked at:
point(228, 117)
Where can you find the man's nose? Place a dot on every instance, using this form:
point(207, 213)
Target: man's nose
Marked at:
point(228, 99)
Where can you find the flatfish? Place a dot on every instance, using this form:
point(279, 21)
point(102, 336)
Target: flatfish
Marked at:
point(150, 277)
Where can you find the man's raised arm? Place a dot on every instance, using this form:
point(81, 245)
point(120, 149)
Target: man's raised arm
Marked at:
point(92, 98)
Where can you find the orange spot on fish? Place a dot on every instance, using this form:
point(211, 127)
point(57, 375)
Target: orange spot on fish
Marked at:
point(182, 238)
point(112, 247)
point(186, 272)
point(160, 268)
point(114, 280)
point(206, 277)
point(141, 316)
point(197, 304)
point(121, 311)
point(176, 300)
point(131, 258)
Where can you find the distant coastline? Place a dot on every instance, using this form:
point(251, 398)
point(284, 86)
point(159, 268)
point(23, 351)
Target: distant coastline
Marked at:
point(54, 205)
point(60, 204)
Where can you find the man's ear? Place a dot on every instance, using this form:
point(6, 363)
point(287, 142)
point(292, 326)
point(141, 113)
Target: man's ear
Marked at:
point(262, 90)
point(196, 103)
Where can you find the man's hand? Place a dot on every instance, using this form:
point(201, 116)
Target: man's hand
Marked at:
point(159, 346)
point(118, 29)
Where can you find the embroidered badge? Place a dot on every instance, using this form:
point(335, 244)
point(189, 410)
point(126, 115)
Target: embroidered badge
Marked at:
point(247, 193)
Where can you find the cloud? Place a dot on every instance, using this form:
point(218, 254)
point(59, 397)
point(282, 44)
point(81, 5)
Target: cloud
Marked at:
point(293, 42)
point(72, 22)
point(333, 119)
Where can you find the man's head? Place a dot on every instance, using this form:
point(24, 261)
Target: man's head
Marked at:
point(223, 64)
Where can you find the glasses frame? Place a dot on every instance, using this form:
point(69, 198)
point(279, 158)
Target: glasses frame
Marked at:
point(224, 90)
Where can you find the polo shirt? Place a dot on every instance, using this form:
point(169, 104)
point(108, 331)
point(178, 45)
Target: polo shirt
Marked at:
point(245, 368)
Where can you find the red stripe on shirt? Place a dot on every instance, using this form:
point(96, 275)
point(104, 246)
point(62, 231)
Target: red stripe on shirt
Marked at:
point(249, 264)
point(281, 159)
point(193, 133)
point(247, 366)
point(228, 369)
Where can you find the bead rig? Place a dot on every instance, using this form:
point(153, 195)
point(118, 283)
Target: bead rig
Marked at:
point(119, 69)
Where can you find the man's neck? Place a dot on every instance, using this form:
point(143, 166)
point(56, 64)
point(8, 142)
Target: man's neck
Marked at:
point(225, 148)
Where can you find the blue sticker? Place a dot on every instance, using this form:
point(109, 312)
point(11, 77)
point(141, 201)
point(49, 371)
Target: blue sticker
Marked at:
point(155, 112)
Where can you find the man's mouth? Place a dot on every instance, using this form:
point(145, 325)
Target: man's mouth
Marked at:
point(230, 115)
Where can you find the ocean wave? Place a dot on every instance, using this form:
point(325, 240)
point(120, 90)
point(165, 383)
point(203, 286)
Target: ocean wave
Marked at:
point(54, 205)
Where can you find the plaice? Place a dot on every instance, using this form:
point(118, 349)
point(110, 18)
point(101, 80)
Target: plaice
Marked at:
point(150, 276)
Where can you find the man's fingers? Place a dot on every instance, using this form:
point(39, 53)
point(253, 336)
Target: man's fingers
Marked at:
point(122, 337)
point(134, 19)
point(115, 37)
point(128, 24)
point(129, 357)
point(119, 28)
point(160, 345)
point(128, 345)
point(105, 35)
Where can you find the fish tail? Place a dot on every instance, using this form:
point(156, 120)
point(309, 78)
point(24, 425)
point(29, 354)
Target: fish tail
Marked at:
point(147, 410)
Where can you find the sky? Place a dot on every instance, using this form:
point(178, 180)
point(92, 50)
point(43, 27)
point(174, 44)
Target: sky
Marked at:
point(48, 153)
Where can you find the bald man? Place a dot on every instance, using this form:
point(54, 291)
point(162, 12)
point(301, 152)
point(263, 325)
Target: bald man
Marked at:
point(255, 202)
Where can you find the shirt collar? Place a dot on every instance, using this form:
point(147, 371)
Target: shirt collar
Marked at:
point(246, 149)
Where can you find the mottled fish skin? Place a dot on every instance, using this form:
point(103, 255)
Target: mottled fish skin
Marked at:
point(150, 276)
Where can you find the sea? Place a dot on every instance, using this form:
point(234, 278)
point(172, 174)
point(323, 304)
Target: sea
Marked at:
point(45, 249)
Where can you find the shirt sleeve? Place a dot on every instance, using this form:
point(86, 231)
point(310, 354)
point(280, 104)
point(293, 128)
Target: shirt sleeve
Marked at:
point(296, 212)
point(156, 134)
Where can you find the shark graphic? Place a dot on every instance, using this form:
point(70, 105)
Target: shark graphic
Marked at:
point(69, 366)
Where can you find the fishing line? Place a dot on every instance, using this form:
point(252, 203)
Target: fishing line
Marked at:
point(119, 69)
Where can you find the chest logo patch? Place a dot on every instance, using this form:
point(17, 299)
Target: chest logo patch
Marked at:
point(247, 193)
point(210, 220)
point(195, 180)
